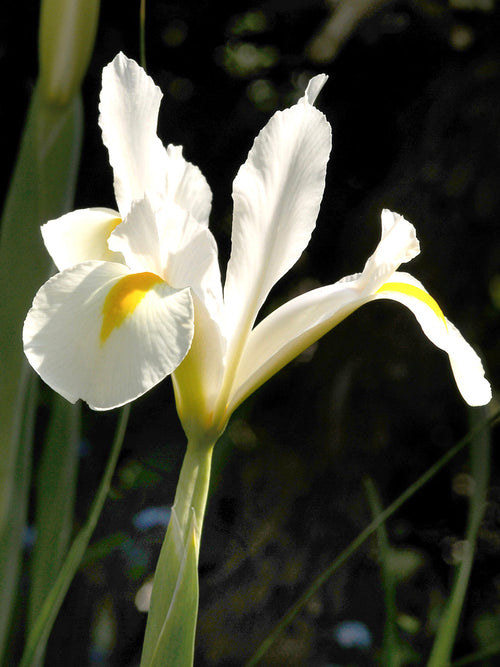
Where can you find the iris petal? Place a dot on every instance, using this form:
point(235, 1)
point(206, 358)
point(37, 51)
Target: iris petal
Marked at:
point(465, 363)
point(186, 186)
point(290, 329)
point(129, 106)
point(80, 236)
point(145, 337)
point(277, 194)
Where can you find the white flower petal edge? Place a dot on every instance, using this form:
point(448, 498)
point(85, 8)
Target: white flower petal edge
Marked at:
point(99, 332)
point(129, 106)
point(313, 89)
point(81, 235)
point(290, 329)
point(465, 363)
point(169, 242)
point(277, 195)
point(187, 187)
point(138, 239)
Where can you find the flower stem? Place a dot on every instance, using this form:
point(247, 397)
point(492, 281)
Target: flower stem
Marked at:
point(173, 611)
point(142, 33)
point(192, 487)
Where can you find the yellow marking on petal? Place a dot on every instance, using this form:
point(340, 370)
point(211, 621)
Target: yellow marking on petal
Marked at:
point(420, 294)
point(113, 224)
point(123, 298)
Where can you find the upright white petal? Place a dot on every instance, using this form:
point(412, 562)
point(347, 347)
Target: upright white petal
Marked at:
point(169, 242)
point(81, 235)
point(186, 186)
point(277, 194)
point(190, 257)
point(138, 239)
point(98, 332)
point(314, 88)
point(129, 106)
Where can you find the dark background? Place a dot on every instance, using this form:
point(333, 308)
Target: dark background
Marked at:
point(413, 98)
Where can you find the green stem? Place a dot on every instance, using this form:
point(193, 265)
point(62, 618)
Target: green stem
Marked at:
point(173, 611)
point(142, 33)
point(192, 488)
point(391, 656)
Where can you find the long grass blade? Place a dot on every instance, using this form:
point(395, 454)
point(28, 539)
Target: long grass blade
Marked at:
point(361, 539)
point(37, 638)
point(55, 496)
point(448, 626)
point(391, 656)
point(42, 187)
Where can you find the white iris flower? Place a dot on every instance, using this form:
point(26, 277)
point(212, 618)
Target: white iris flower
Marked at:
point(138, 295)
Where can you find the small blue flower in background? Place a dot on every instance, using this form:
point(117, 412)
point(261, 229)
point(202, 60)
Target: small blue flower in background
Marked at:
point(151, 517)
point(29, 537)
point(84, 448)
point(352, 634)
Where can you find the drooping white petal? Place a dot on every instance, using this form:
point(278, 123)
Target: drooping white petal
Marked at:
point(465, 363)
point(187, 186)
point(290, 329)
point(129, 105)
point(81, 235)
point(398, 244)
point(98, 332)
point(277, 194)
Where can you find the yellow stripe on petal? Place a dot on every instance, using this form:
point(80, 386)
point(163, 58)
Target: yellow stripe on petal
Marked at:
point(417, 293)
point(123, 298)
point(113, 224)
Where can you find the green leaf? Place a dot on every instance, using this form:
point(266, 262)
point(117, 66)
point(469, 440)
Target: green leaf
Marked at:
point(391, 653)
point(55, 497)
point(363, 536)
point(480, 468)
point(42, 187)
